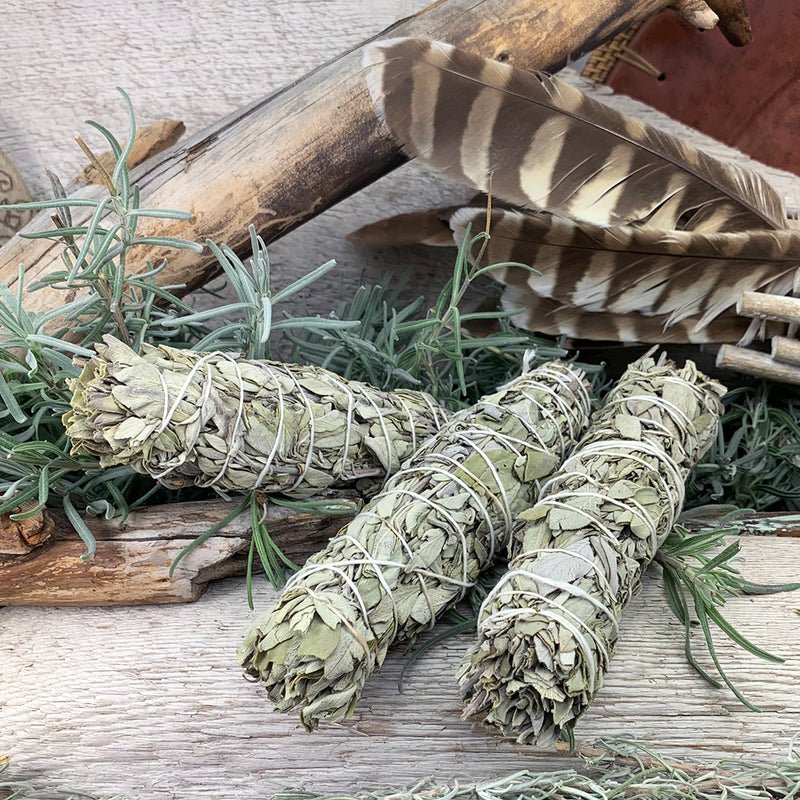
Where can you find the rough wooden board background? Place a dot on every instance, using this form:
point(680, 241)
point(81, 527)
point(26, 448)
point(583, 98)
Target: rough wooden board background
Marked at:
point(149, 702)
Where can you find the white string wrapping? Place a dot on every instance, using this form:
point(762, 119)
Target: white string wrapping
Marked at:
point(434, 526)
point(529, 598)
point(217, 420)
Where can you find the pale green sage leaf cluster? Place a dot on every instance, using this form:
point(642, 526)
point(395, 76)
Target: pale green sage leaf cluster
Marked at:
point(546, 632)
point(417, 547)
point(212, 419)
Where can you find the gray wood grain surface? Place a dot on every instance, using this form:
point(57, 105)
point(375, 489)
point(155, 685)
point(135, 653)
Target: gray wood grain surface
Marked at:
point(149, 702)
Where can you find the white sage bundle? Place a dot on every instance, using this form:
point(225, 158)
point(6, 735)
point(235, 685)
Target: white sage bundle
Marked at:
point(212, 419)
point(417, 547)
point(546, 632)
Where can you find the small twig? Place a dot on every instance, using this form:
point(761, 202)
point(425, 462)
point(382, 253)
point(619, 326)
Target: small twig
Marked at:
point(761, 365)
point(769, 306)
point(697, 13)
point(786, 350)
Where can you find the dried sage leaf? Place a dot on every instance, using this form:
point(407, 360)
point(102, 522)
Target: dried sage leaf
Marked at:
point(417, 547)
point(210, 419)
point(548, 629)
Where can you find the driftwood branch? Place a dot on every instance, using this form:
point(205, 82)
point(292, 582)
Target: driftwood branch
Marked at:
point(131, 565)
point(12, 190)
point(148, 142)
point(291, 155)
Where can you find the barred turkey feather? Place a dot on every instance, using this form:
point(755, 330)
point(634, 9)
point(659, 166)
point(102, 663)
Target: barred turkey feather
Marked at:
point(635, 236)
point(548, 146)
point(677, 277)
point(547, 316)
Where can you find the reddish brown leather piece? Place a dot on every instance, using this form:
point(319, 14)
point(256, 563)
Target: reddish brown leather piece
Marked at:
point(747, 97)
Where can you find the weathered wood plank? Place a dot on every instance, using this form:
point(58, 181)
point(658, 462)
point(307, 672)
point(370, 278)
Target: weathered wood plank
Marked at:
point(132, 563)
point(149, 701)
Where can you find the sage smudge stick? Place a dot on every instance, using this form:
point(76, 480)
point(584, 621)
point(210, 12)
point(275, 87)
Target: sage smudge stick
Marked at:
point(417, 547)
point(211, 419)
point(547, 630)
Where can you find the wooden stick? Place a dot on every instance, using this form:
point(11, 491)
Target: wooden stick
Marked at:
point(734, 21)
point(786, 350)
point(769, 306)
point(698, 13)
point(291, 155)
point(761, 365)
point(132, 564)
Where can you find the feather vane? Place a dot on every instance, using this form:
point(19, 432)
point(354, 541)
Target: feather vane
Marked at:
point(635, 235)
point(548, 146)
point(677, 277)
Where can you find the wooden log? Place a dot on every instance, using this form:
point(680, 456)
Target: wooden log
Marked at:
point(287, 157)
point(734, 21)
point(22, 536)
point(132, 563)
point(760, 365)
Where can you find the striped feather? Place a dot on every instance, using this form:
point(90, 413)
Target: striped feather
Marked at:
point(673, 286)
point(547, 316)
point(547, 146)
point(430, 227)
